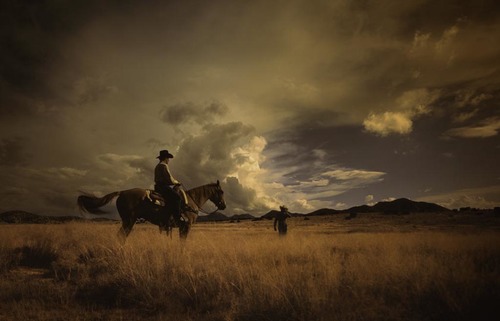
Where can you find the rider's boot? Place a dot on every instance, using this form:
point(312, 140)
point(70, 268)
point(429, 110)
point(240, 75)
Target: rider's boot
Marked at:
point(176, 213)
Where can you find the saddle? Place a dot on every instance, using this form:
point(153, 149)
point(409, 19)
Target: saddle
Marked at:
point(155, 198)
point(158, 200)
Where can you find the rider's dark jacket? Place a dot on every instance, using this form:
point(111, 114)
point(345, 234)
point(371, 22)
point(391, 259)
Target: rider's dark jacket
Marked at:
point(163, 176)
point(164, 181)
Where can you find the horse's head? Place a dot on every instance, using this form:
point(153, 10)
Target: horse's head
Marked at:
point(217, 196)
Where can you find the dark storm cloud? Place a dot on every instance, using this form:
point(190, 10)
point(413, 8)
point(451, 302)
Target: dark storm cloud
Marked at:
point(46, 191)
point(191, 112)
point(88, 91)
point(32, 33)
point(59, 199)
point(311, 102)
point(133, 162)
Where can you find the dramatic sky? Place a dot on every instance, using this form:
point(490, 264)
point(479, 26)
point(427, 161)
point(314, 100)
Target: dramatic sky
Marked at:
point(307, 103)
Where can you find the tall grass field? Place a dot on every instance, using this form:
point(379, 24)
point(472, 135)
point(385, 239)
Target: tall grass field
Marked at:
point(322, 270)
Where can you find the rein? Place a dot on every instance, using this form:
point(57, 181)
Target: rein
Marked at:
point(205, 212)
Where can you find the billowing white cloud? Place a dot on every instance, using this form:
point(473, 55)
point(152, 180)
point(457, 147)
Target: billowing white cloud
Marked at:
point(251, 175)
point(238, 197)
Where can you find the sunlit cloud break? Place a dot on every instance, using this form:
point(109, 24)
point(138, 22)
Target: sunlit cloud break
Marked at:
point(487, 128)
point(407, 107)
point(387, 123)
point(345, 174)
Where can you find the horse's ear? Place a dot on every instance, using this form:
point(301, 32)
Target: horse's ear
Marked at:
point(218, 183)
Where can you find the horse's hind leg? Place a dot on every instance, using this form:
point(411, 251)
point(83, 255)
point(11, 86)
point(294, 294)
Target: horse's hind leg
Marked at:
point(125, 231)
point(128, 217)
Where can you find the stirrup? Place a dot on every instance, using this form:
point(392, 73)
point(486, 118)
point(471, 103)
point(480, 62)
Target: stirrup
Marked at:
point(179, 219)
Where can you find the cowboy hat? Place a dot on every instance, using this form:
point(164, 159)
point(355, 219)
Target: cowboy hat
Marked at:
point(165, 154)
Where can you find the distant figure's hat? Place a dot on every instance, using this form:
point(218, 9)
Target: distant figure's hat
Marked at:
point(165, 154)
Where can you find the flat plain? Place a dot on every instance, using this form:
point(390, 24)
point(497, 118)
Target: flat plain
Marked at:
point(432, 266)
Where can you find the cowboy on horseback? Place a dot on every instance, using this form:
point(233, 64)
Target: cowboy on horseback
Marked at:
point(168, 186)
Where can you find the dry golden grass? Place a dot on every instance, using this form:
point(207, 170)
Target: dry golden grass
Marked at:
point(244, 271)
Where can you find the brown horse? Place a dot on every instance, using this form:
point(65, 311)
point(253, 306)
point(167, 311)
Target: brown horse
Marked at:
point(137, 203)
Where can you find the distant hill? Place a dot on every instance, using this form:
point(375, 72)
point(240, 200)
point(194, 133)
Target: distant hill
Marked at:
point(242, 217)
point(324, 211)
point(270, 215)
point(22, 217)
point(399, 206)
point(360, 209)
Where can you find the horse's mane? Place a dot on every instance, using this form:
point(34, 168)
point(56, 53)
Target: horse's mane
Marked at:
point(200, 189)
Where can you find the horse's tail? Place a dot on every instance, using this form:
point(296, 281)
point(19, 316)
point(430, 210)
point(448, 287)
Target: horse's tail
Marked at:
point(91, 203)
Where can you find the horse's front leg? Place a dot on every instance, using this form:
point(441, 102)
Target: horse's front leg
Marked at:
point(184, 228)
point(167, 224)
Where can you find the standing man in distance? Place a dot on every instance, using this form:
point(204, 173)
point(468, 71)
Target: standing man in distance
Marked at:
point(280, 220)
